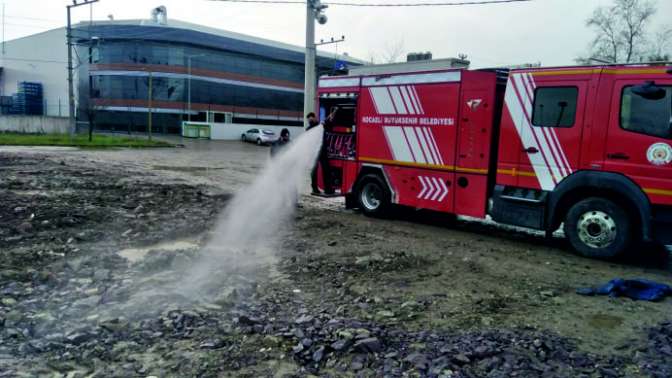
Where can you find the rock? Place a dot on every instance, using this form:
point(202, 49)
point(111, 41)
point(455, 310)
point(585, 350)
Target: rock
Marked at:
point(367, 260)
point(8, 301)
point(341, 345)
point(369, 345)
point(78, 338)
point(537, 343)
point(306, 342)
point(461, 359)
point(419, 360)
point(248, 320)
point(303, 319)
point(212, 344)
point(332, 243)
point(385, 314)
point(25, 227)
point(101, 274)
point(547, 293)
point(318, 354)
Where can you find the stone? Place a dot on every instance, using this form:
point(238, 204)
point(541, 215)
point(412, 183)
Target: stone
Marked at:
point(25, 227)
point(303, 319)
point(248, 320)
point(101, 274)
point(461, 359)
point(547, 293)
point(318, 354)
point(385, 314)
point(8, 301)
point(341, 345)
point(369, 345)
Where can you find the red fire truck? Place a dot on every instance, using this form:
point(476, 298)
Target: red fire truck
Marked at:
point(587, 147)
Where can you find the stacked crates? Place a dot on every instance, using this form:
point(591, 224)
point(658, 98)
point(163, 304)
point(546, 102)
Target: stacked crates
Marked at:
point(29, 99)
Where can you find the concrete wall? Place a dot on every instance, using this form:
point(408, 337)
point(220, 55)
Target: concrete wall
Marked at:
point(41, 58)
point(34, 124)
point(233, 131)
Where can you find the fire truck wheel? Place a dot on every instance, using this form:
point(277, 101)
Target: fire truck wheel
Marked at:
point(598, 228)
point(373, 196)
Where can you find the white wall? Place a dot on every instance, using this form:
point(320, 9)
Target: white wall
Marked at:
point(41, 58)
point(34, 124)
point(233, 131)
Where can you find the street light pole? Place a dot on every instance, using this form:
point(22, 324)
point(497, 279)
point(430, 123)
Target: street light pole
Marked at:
point(309, 86)
point(314, 11)
point(71, 86)
point(189, 57)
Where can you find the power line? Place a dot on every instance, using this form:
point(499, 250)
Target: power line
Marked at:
point(350, 4)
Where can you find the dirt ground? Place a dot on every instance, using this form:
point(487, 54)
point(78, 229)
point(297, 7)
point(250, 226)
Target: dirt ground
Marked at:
point(82, 233)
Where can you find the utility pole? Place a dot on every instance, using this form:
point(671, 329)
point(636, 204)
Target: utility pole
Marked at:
point(71, 86)
point(314, 11)
point(149, 108)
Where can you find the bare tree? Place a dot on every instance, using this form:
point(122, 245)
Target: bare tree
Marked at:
point(393, 51)
point(661, 46)
point(621, 30)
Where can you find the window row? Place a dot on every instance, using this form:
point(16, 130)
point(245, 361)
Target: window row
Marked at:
point(177, 90)
point(216, 60)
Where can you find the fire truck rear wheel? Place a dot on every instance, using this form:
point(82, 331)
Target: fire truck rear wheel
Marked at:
point(598, 228)
point(373, 196)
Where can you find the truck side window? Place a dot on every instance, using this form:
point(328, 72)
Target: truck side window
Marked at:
point(555, 106)
point(647, 115)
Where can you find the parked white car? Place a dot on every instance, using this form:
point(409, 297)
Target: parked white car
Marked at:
point(259, 136)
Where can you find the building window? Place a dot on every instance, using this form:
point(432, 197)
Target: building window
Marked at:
point(555, 106)
point(647, 112)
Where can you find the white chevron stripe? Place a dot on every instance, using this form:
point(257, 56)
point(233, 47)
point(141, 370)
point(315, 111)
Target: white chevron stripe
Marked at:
point(398, 101)
point(424, 144)
point(407, 100)
point(445, 190)
point(418, 103)
point(519, 119)
point(538, 132)
point(424, 187)
point(382, 100)
point(562, 158)
point(425, 132)
point(438, 189)
point(414, 144)
point(435, 146)
point(397, 142)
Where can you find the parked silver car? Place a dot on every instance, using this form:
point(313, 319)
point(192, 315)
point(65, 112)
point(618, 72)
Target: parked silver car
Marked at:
point(259, 136)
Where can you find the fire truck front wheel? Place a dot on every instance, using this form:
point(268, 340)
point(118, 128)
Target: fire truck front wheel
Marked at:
point(373, 196)
point(598, 228)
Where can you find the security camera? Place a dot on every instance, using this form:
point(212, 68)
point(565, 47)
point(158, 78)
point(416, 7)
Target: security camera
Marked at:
point(322, 18)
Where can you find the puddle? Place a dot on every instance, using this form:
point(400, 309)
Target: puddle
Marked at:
point(185, 169)
point(136, 254)
point(604, 321)
point(36, 148)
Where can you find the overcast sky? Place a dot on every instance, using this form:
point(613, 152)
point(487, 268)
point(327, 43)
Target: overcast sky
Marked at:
point(552, 32)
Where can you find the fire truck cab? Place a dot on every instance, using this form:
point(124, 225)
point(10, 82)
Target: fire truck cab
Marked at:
point(584, 147)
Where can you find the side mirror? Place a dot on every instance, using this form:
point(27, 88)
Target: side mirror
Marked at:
point(649, 91)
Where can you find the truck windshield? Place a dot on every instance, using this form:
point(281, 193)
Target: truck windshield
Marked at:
point(647, 116)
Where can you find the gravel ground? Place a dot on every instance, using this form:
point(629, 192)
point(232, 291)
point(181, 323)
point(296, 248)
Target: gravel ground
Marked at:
point(93, 243)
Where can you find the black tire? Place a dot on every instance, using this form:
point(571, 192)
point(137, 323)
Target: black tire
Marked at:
point(373, 196)
point(599, 228)
point(259, 142)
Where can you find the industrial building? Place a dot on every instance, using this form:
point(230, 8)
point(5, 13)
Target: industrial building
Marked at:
point(195, 73)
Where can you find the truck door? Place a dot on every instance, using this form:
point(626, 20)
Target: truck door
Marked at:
point(551, 143)
point(639, 136)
